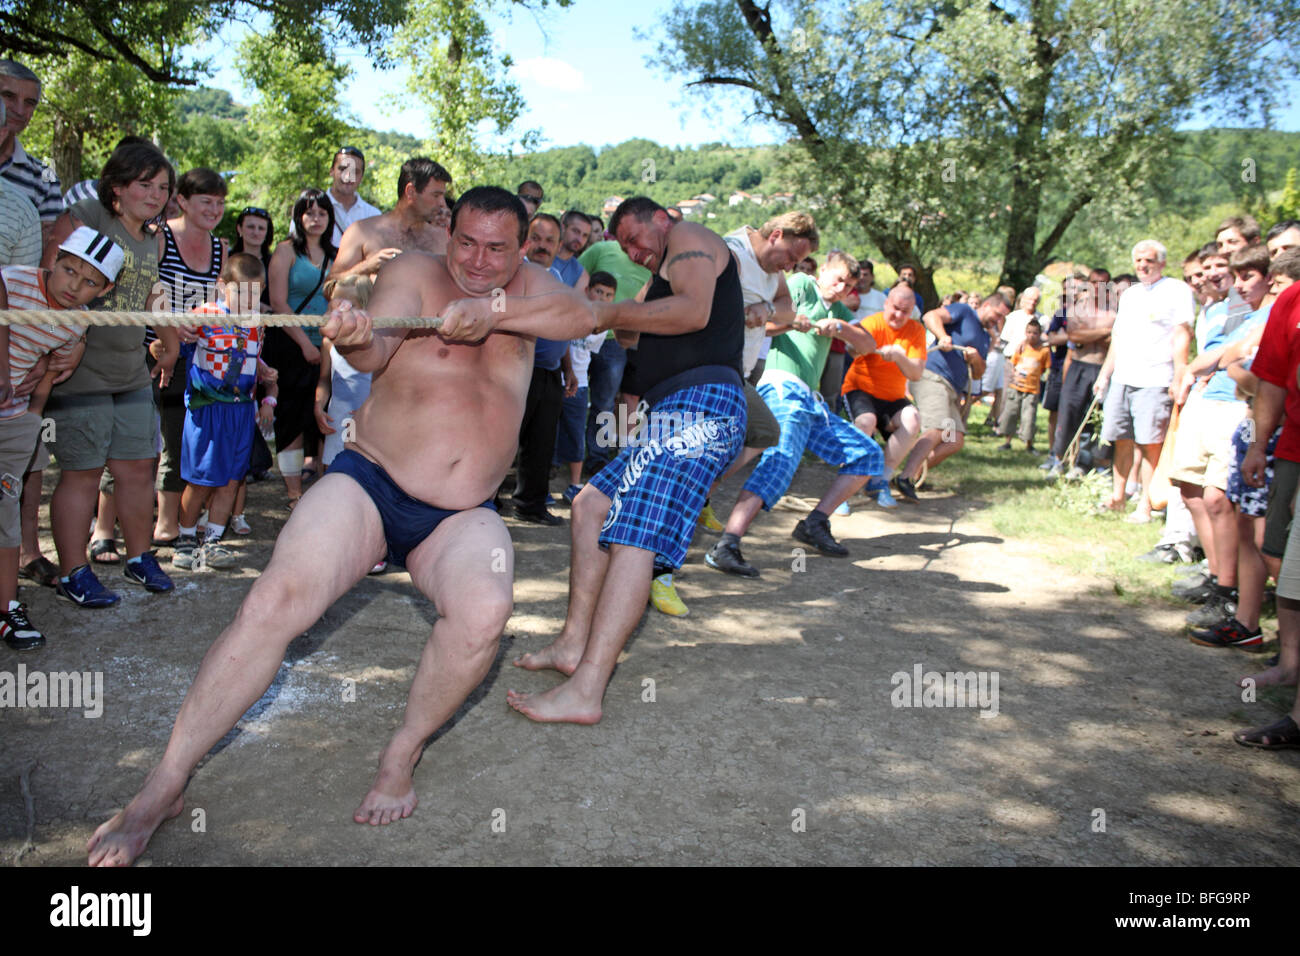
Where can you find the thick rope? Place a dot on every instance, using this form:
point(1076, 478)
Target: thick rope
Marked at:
point(83, 317)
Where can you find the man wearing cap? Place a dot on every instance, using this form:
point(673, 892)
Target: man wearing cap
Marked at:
point(346, 170)
point(87, 264)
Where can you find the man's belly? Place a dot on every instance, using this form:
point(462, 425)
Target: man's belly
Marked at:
point(450, 454)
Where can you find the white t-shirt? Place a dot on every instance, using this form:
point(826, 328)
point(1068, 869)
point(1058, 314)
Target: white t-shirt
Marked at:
point(580, 355)
point(756, 286)
point(1144, 331)
point(346, 217)
point(1013, 330)
point(870, 304)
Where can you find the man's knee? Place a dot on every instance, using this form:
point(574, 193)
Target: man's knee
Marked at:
point(909, 420)
point(479, 619)
point(866, 423)
point(591, 504)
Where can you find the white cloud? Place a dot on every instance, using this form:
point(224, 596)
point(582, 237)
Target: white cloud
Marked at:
point(549, 73)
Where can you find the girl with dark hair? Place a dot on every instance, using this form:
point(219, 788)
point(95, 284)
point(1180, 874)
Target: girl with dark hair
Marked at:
point(297, 277)
point(254, 234)
point(189, 270)
point(104, 412)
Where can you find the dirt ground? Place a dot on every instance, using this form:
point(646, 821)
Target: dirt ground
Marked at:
point(771, 738)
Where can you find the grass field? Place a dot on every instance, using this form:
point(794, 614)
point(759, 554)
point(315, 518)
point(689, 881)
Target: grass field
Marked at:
point(1062, 516)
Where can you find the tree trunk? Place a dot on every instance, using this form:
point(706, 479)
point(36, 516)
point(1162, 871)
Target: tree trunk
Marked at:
point(67, 147)
point(899, 252)
point(1019, 263)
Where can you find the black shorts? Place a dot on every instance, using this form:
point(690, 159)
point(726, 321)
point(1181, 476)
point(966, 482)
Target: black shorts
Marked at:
point(862, 403)
point(1277, 521)
point(1052, 397)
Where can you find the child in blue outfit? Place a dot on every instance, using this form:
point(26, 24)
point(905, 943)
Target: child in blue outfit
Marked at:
point(221, 416)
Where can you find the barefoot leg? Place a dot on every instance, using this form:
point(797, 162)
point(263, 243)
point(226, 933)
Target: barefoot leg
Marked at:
point(308, 572)
point(622, 602)
point(587, 574)
point(466, 567)
point(1288, 633)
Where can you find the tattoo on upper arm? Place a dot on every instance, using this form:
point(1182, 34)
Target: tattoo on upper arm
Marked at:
point(690, 254)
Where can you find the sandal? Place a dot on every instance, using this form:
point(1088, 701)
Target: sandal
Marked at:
point(42, 570)
point(165, 542)
point(104, 551)
point(293, 502)
point(1283, 735)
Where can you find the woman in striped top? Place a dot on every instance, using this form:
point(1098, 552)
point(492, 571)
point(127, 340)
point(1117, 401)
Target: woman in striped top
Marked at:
point(189, 269)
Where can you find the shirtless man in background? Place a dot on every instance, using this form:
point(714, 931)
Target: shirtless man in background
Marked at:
point(411, 224)
point(434, 442)
point(1089, 318)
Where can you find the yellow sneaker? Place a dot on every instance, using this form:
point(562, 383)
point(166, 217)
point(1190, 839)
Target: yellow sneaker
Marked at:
point(663, 595)
point(709, 520)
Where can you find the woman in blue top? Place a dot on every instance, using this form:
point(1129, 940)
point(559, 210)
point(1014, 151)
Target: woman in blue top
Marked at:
point(298, 270)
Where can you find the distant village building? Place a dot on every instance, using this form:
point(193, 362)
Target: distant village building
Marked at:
point(611, 204)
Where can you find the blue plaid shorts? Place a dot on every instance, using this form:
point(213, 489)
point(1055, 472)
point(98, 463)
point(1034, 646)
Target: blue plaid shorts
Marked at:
point(657, 486)
point(807, 423)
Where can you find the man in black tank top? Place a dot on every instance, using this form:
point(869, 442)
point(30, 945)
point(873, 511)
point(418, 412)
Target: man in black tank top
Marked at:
point(688, 326)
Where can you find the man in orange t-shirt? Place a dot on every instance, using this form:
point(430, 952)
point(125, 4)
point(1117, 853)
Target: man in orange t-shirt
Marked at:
point(875, 388)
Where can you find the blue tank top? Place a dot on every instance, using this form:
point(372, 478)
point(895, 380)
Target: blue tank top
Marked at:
point(303, 277)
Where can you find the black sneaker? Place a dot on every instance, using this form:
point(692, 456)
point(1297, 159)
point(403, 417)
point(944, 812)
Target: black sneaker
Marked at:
point(18, 631)
point(1217, 610)
point(818, 534)
point(727, 557)
point(539, 517)
point(1198, 594)
point(1231, 633)
point(907, 489)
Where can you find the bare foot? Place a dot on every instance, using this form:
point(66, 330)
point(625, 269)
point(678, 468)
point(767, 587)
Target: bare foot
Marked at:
point(123, 838)
point(563, 704)
point(553, 656)
point(1276, 676)
point(1111, 504)
point(391, 798)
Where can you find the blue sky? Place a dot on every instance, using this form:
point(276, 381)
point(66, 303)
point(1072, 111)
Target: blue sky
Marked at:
point(585, 78)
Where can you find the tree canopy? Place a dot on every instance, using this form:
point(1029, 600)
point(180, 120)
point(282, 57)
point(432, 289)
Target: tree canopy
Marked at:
point(935, 124)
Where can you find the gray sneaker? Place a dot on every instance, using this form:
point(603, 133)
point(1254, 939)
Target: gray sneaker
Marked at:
point(183, 551)
point(214, 554)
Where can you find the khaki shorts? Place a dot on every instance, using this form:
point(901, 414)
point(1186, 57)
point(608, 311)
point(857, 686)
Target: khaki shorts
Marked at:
point(1203, 452)
point(938, 404)
point(1288, 580)
point(41, 457)
point(18, 439)
point(89, 430)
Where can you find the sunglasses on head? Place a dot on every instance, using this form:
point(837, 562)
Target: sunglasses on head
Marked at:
point(255, 211)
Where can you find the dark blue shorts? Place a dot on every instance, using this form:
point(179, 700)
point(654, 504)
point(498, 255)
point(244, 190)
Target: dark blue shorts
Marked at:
point(217, 443)
point(407, 521)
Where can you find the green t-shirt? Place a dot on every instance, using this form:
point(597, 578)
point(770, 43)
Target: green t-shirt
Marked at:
point(803, 354)
point(609, 257)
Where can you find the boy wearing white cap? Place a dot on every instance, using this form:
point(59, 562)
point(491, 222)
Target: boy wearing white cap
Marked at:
point(85, 268)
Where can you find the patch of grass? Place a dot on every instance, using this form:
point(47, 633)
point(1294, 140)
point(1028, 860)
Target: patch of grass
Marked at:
point(1061, 517)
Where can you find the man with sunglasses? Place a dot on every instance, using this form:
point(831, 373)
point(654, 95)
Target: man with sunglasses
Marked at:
point(346, 170)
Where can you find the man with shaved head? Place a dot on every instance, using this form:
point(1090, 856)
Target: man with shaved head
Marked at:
point(875, 388)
